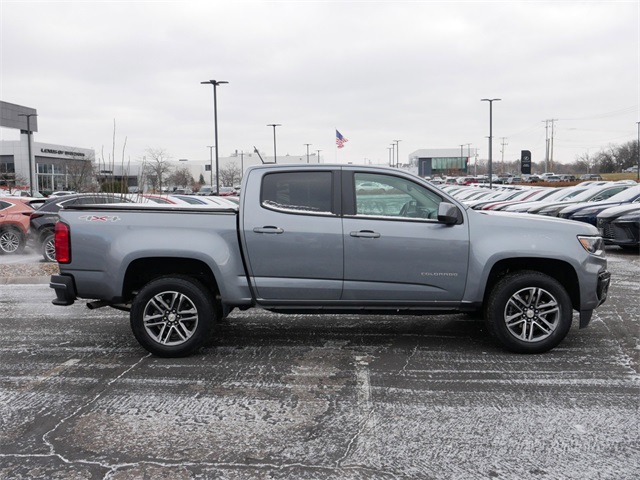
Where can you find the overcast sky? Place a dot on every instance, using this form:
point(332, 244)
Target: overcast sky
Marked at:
point(380, 71)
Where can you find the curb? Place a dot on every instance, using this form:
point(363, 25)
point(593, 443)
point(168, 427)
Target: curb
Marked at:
point(41, 280)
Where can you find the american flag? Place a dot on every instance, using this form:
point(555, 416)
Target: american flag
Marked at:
point(340, 140)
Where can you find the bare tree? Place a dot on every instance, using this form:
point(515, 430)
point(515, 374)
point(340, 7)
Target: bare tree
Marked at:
point(80, 174)
point(10, 180)
point(181, 177)
point(230, 175)
point(156, 167)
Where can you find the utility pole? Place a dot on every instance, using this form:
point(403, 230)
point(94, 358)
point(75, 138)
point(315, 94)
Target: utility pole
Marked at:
point(546, 143)
point(552, 132)
point(307, 144)
point(502, 152)
point(548, 159)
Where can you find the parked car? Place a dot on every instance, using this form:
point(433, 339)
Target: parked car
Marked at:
point(591, 194)
point(590, 176)
point(205, 202)
point(14, 224)
point(552, 178)
point(560, 194)
point(206, 190)
point(226, 191)
point(62, 193)
point(43, 220)
point(621, 226)
point(588, 211)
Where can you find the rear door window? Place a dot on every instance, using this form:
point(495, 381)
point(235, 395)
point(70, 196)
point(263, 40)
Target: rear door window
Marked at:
point(298, 192)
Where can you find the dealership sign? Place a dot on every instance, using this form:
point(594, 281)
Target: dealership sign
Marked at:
point(525, 162)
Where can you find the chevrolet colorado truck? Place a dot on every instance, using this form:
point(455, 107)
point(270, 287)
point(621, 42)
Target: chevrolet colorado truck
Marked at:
point(334, 239)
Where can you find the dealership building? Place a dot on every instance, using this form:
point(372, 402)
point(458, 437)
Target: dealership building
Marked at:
point(439, 162)
point(52, 167)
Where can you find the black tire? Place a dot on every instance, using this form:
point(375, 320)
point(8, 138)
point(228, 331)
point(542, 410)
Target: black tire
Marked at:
point(12, 241)
point(528, 312)
point(172, 316)
point(49, 248)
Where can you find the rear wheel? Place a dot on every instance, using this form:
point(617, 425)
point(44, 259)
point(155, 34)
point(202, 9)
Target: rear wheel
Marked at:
point(49, 248)
point(172, 316)
point(12, 241)
point(529, 312)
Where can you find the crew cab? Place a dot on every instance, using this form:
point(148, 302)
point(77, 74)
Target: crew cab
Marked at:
point(308, 239)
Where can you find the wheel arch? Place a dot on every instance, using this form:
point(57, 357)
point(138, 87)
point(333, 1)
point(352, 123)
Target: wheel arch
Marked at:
point(144, 270)
point(562, 271)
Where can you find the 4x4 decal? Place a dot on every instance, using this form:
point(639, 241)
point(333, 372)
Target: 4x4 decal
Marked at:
point(100, 218)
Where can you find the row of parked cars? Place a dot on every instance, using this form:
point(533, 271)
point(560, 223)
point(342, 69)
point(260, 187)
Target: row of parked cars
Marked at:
point(612, 207)
point(31, 221)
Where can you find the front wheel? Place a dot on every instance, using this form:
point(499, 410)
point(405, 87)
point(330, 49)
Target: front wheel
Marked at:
point(172, 316)
point(529, 312)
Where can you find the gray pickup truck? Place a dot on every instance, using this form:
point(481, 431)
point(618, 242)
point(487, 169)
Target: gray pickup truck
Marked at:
point(332, 239)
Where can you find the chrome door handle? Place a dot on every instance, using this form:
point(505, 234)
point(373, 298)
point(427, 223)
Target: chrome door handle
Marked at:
point(268, 229)
point(365, 234)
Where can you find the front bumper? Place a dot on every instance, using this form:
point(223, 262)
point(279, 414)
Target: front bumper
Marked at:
point(602, 290)
point(65, 289)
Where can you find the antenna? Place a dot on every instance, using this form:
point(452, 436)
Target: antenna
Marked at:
point(258, 153)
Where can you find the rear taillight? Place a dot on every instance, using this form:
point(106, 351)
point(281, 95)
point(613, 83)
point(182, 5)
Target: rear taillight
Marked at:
point(62, 238)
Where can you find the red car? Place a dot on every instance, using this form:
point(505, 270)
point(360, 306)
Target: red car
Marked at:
point(14, 224)
point(227, 191)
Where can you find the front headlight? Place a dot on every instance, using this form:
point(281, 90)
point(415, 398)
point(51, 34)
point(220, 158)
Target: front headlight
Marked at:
point(593, 245)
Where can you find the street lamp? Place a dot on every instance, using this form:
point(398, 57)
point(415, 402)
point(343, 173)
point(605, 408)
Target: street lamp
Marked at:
point(274, 125)
point(490, 100)
point(397, 153)
point(211, 147)
point(390, 156)
point(393, 154)
point(307, 144)
point(638, 174)
point(29, 115)
point(318, 155)
point(215, 127)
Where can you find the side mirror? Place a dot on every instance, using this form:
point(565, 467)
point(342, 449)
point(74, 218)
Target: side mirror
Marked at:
point(447, 213)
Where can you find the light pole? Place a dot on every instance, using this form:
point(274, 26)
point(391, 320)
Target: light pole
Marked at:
point(638, 174)
point(390, 156)
point(490, 100)
point(211, 147)
point(215, 83)
point(318, 155)
point(393, 154)
point(397, 142)
point(468, 155)
point(307, 144)
point(274, 125)
point(29, 115)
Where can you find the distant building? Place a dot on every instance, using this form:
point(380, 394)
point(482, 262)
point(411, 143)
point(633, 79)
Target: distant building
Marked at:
point(438, 162)
point(55, 167)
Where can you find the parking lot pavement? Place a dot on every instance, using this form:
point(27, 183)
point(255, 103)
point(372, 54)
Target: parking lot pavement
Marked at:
point(317, 397)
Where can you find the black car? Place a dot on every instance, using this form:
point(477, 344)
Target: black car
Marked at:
point(588, 211)
point(43, 220)
point(621, 226)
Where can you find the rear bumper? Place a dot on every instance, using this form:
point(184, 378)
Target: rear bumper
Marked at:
point(65, 289)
